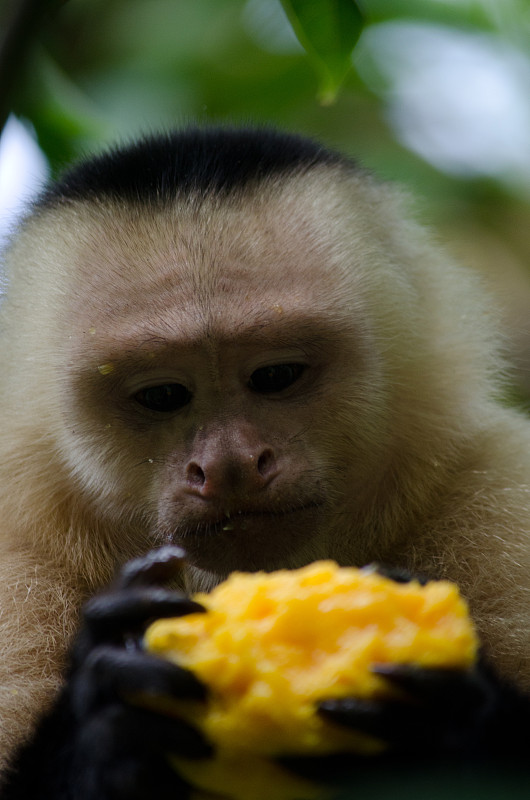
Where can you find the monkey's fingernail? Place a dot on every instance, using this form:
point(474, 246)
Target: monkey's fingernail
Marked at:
point(156, 566)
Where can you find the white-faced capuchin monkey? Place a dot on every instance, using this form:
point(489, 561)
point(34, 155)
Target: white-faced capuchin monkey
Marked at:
point(235, 343)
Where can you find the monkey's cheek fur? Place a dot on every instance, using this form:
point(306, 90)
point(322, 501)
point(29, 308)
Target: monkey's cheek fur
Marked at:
point(271, 647)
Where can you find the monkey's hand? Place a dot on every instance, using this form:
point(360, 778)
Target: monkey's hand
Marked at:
point(444, 723)
point(437, 712)
point(101, 741)
point(440, 717)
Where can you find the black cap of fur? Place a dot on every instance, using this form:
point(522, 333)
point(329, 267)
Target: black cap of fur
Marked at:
point(205, 161)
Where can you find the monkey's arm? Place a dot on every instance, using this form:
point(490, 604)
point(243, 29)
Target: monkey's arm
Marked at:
point(97, 742)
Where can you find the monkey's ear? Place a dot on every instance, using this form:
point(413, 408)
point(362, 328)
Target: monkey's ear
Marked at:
point(397, 574)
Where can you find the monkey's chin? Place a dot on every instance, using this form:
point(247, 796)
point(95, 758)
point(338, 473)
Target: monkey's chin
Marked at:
point(250, 542)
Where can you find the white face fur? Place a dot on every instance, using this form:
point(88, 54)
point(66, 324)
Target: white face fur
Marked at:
point(214, 353)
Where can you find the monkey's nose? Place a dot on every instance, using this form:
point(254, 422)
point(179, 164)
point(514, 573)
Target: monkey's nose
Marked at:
point(228, 475)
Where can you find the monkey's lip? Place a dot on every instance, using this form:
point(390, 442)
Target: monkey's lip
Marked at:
point(248, 539)
point(242, 520)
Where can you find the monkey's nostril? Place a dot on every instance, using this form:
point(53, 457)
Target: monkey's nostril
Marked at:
point(266, 463)
point(195, 475)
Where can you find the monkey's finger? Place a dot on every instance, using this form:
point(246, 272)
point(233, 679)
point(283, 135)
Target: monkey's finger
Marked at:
point(134, 677)
point(406, 728)
point(397, 574)
point(387, 721)
point(156, 566)
point(130, 779)
point(140, 730)
point(128, 611)
point(134, 673)
point(136, 780)
point(437, 688)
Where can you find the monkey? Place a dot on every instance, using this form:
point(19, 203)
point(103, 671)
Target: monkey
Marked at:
point(240, 343)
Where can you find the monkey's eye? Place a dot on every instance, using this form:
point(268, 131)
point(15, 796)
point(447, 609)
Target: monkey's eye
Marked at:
point(165, 398)
point(275, 378)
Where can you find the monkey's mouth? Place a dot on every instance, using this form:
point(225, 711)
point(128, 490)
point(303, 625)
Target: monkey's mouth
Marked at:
point(242, 520)
point(246, 539)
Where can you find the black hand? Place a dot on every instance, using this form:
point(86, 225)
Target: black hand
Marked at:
point(437, 712)
point(441, 712)
point(101, 741)
point(445, 722)
point(135, 598)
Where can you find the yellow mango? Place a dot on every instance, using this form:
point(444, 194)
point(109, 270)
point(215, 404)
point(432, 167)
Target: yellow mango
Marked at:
point(271, 646)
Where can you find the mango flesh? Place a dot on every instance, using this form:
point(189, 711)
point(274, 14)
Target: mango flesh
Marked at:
point(271, 646)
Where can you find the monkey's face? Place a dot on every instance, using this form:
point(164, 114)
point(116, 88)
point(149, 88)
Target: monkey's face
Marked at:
point(228, 395)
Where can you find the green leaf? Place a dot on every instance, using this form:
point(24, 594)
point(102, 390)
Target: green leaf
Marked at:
point(328, 31)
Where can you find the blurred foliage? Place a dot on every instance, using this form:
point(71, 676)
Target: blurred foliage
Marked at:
point(105, 70)
point(328, 30)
